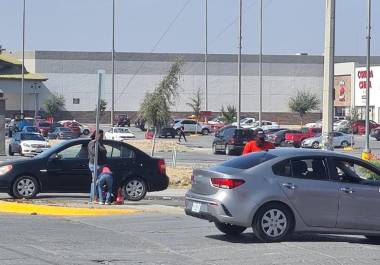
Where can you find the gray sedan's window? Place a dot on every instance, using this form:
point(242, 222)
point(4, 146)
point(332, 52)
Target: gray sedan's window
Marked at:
point(249, 161)
point(283, 168)
point(352, 172)
point(311, 168)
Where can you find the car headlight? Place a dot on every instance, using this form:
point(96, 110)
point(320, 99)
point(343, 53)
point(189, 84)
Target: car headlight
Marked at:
point(26, 145)
point(5, 169)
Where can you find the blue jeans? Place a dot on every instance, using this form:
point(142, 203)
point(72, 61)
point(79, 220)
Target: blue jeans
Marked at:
point(105, 179)
point(92, 169)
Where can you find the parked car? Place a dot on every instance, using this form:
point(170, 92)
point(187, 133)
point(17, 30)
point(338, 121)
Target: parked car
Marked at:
point(62, 133)
point(339, 140)
point(122, 120)
point(288, 190)
point(358, 127)
point(44, 127)
point(245, 122)
point(272, 131)
point(118, 134)
point(64, 168)
point(375, 133)
point(230, 140)
point(165, 132)
point(73, 126)
point(83, 128)
point(278, 138)
point(295, 139)
point(26, 143)
point(215, 121)
point(31, 129)
point(265, 125)
point(316, 124)
point(192, 126)
point(342, 126)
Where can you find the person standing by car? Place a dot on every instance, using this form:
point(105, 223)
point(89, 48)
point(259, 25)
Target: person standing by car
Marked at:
point(105, 179)
point(258, 144)
point(102, 154)
point(181, 132)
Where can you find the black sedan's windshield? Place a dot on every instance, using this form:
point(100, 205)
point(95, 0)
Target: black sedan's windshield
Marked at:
point(32, 136)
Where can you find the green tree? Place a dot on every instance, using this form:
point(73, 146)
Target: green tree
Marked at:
point(195, 103)
point(155, 108)
point(54, 104)
point(303, 102)
point(102, 107)
point(228, 114)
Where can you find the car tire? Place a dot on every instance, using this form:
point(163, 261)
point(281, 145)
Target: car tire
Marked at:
point(173, 136)
point(214, 151)
point(282, 144)
point(205, 132)
point(135, 189)
point(227, 150)
point(315, 145)
point(25, 187)
point(20, 151)
point(273, 222)
point(10, 151)
point(344, 143)
point(228, 229)
point(375, 239)
point(86, 131)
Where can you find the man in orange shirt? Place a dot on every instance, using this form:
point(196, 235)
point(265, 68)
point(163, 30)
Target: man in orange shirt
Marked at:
point(259, 144)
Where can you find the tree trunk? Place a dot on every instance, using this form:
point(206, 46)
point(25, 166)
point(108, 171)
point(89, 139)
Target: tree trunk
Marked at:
point(154, 142)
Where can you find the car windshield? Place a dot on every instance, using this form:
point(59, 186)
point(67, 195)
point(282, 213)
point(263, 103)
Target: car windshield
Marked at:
point(249, 161)
point(31, 129)
point(32, 136)
point(122, 130)
point(244, 134)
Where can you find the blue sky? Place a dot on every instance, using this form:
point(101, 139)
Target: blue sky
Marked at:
point(290, 26)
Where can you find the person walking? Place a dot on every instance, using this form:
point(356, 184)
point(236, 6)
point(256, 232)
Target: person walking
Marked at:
point(258, 144)
point(102, 156)
point(105, 179)
point(182, 133)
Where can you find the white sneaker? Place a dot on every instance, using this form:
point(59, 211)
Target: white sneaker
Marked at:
point(108, 203)
point(101, 203)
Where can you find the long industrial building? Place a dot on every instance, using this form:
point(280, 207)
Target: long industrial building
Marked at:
point(74, 76)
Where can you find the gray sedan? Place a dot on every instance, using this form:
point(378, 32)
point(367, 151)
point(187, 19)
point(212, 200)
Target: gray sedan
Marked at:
point(339, 140)
point(289, 190)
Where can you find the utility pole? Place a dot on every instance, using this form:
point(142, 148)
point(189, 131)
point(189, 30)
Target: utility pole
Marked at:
point(23, 61)
point(367, 150)
point(36, 90)
point(328, 77)
point(113, 64)
point(206, 55)
point(261, 65)
point(239, 64)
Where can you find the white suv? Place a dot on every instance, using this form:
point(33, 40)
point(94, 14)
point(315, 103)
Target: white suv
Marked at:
point(192, 126)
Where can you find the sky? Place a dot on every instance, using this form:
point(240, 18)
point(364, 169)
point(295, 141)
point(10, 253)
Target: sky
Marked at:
point(289, 26)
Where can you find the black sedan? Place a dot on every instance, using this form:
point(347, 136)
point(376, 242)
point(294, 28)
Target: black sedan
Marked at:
point(64, 168)
point(61, 133)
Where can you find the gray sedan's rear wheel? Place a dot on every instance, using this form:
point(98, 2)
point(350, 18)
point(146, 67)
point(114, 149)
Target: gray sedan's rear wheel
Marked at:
point(231, 230)
point(135, 189)
point(273, 223)
point(25, 187)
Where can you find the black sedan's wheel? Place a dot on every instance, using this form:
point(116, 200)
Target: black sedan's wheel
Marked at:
point(25, 187)
point(135, 189)
point(273, 223)
point(315, 145)
point(231, 230)
point(10, 151)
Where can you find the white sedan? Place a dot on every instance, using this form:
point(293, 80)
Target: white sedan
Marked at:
point(339, 140)
point(265, 125)
point(118, 134)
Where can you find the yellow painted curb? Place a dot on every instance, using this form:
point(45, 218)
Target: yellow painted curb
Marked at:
point(27, 208)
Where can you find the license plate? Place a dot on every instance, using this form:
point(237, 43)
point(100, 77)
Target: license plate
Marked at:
point(196, 207)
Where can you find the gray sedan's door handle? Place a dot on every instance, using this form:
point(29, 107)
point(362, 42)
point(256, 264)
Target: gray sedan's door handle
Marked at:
point(290, 186)
point(347, 190)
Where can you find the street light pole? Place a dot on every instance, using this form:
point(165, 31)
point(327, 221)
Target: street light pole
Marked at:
point(261, 65)
point(239, 64)
point(328, 77)
point(368, 86)
point(113, 64)
point(206, 55)
point(23, 60)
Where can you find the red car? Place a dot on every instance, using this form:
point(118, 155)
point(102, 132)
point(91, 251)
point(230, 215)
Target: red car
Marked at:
point(44, 127)
point(358, 127)
point(73, 126)
point(296, 138)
